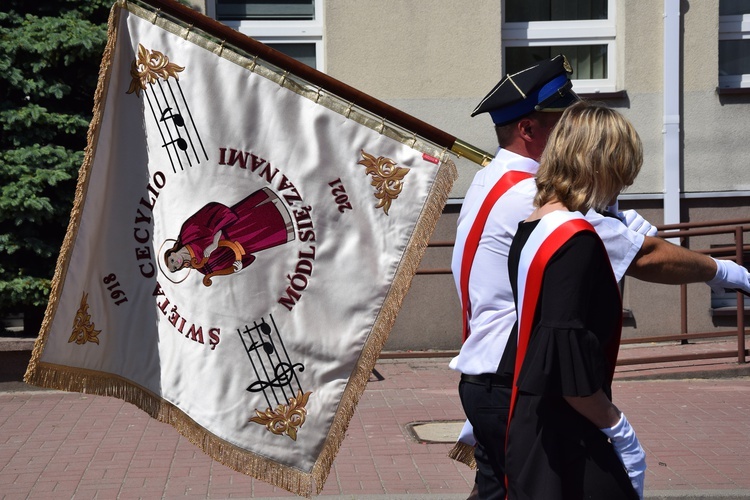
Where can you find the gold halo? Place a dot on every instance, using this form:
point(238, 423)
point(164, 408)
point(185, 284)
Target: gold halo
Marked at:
point(167, 272)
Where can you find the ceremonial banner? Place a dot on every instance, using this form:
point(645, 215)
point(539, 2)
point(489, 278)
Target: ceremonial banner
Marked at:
point(239, 247)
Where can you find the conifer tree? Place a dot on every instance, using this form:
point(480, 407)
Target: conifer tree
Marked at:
point(50, 52)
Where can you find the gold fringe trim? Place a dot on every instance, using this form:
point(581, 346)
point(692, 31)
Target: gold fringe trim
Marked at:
point(86, 381)
point(464, 453)
point(104, 384)
point(407, 268)
point(84, 174)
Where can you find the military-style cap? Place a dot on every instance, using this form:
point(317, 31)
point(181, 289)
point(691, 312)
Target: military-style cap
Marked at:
point(544, 87)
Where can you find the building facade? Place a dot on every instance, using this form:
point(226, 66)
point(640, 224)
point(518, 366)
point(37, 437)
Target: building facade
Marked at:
point(678, 69)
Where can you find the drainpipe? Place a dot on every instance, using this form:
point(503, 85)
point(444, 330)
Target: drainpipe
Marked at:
point(671, 128)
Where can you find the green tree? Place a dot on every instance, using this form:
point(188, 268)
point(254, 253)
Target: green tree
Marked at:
point(49, 62)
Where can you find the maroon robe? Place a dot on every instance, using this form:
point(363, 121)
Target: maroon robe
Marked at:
point(256, 223)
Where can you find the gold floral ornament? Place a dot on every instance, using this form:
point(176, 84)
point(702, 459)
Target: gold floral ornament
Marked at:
point(387, 178)
point(148, 67)
point(83, 328)
point(284, 419)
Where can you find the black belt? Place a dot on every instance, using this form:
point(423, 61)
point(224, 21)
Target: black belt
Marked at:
point(488, 379)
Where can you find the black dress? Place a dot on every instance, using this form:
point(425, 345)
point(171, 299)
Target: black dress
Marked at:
point(552, 451)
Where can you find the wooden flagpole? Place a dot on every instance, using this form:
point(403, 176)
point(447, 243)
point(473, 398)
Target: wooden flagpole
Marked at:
point(319, 79)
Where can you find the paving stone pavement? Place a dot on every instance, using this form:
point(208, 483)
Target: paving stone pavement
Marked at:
point(696, 433)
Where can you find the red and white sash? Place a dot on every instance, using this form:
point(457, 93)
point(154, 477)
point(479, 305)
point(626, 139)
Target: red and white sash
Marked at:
point(553, 231)
point(507, 181)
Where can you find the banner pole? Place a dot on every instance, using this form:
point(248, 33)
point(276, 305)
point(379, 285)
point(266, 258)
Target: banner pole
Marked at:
point(318, 78)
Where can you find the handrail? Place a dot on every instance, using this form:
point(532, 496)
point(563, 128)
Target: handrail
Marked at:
point(683, 232)
point(713, 223)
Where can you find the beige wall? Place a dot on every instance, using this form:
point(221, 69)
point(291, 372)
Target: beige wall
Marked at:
point(433, 59)
point(429, 49)
point(640, 52)
point(437, 59)
point(715, 129)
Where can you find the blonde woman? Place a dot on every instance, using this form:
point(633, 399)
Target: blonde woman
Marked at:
point(566, 439)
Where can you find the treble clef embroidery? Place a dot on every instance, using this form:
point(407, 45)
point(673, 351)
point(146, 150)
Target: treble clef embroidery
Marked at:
point(283, 376)
point(274, 373)
point(275, 377)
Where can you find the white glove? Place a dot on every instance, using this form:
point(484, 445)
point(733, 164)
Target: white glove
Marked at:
point(629, 451)
point(466, 436)
point(636, 223)
point(729, 275)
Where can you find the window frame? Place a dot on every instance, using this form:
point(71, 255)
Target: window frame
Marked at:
point(561, 33)
point(734, 27)
point(282, 32)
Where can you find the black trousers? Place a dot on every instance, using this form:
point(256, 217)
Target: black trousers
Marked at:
point(487, 406)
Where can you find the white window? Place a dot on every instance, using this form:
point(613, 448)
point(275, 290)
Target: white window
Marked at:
point(582, 30)
point(294, 27)
point(734, 43)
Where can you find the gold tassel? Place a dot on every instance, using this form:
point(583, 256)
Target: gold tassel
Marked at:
point(464, 453)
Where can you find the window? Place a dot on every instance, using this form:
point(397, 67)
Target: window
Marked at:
point(294, 27)
point(734, 43)
point(582, 30)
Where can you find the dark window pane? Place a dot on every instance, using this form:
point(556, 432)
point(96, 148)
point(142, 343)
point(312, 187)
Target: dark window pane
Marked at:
point(265, 10)
point(520, 11)
point(734, 7)
point(588, 61)
point(303, 52)
point(734, 57)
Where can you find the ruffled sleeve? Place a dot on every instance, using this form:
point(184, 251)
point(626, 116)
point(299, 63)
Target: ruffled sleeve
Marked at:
point(562, 362)
point(576, 317)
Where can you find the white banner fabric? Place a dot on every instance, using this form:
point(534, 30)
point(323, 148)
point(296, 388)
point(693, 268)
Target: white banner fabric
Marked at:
point(236, 255)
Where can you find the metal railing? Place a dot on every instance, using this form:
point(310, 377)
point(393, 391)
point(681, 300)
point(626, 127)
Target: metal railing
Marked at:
point(682, 232)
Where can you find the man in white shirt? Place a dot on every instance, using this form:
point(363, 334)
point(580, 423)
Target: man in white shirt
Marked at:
point(524, 107)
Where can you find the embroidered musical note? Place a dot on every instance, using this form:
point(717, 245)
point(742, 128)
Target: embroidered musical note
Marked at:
point(178, 121)
point(157, 79)
point(267, 347)
point(281, 388)
point(181, 143)
point(275, 374)
point(175, 117)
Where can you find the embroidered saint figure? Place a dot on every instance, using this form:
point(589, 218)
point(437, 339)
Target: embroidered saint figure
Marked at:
point(219, 240)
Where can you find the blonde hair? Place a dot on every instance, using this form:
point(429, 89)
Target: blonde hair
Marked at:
point(592, 153)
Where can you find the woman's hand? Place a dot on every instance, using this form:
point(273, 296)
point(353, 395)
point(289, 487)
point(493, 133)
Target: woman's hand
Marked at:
point(598, 409)
point(629, 451)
